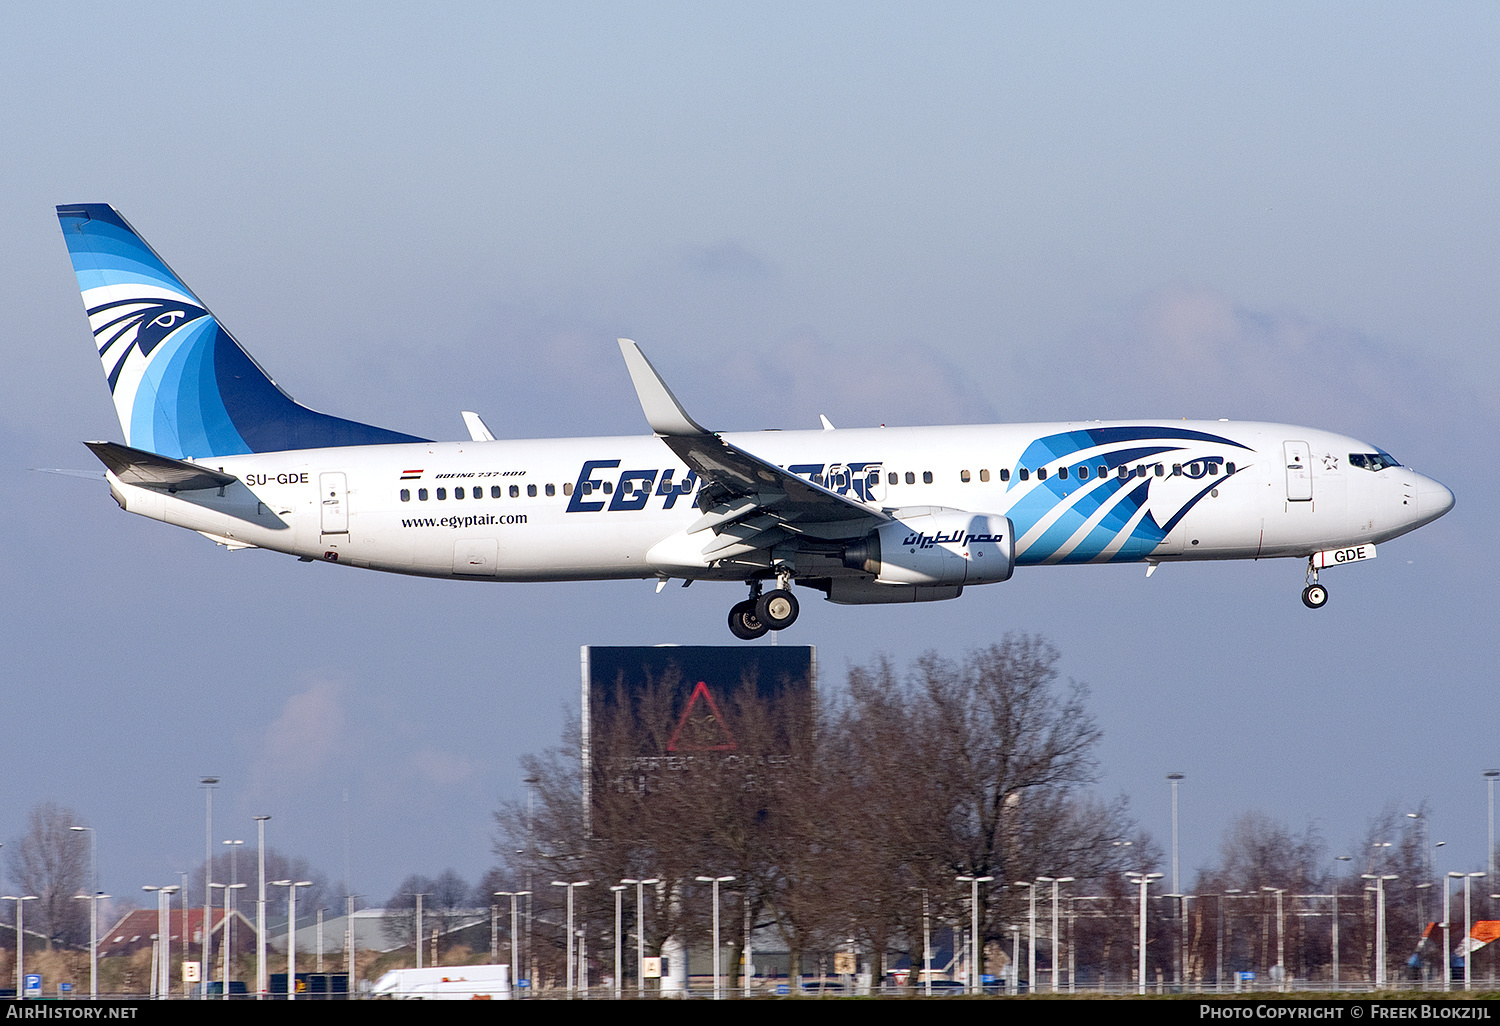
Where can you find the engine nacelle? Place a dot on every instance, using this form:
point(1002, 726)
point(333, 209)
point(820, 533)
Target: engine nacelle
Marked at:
point(937, 547)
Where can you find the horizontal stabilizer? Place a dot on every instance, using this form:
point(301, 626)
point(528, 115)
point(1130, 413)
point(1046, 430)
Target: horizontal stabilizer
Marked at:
point(147, 469)
point(90, 475)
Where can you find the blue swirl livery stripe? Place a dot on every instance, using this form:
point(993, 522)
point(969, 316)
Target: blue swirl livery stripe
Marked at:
point(1109, 447)
point(183, 386)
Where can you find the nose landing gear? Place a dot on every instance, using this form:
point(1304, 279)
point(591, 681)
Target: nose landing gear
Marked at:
point(1314, 596)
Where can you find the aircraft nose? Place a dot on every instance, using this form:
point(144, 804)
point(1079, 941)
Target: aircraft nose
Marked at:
point(1433, 499)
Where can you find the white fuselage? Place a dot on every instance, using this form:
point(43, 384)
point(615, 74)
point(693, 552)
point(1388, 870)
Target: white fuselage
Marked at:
point(603, 508)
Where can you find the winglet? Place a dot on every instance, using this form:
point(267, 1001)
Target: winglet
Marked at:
point(479, 431)
point(663, 412)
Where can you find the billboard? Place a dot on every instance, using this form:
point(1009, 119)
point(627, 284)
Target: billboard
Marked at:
point(670, 723)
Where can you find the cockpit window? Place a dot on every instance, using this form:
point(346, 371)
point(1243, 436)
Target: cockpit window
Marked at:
point(1372, 461)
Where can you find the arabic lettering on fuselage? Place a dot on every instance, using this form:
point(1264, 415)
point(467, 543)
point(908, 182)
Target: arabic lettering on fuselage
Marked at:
point(926, 541)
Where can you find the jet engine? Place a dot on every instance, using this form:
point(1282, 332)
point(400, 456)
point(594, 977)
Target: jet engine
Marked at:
point(945, 547)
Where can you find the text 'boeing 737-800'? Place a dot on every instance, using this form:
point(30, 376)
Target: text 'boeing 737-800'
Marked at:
point(863, 516)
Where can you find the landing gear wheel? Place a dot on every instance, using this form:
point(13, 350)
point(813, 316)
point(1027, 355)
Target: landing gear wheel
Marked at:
point(744, 624)
point(1314, 596)
point(776, 609)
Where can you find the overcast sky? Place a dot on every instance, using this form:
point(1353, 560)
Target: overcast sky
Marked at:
point(895, 214)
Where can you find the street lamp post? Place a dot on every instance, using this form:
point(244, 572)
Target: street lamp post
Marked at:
point(261, 978)
point(418, 927)
point(976, 943)
point(572, 974)
point(1337, 858)
point(927, 946)
point(226, 949)
point(1280, 935)
point(515, 955)
point(640, 932)
point(716, 880)
point(291, 933)
point(1447, 936)
point(93, 910)
point(1055, 963)
point(1489, 777)
point(209, 783)
point(1175, 778)
point(20, 941)
point(1030, 936)
point(1380, 879)
point(93, 900)
point(619, 890)
point(1144, 880)
point(234, 885)
point(164, 942)
point(1468, 879)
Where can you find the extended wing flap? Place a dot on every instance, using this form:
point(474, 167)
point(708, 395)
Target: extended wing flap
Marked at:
point(147, 469)
point(739, 484)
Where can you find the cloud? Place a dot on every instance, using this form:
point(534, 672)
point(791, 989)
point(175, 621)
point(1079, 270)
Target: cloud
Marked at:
point(1193, 351)
point(788, 381)
point(308, 732)
point(727, 259)
point(437, 767)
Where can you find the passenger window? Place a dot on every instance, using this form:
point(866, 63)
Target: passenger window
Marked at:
point(406, 495)
point(515, 491)
point(421, 494)
point(1005, 474)
point(1140, 470)
point(911, 478)
point(1161, 471)
point(1229, 468)
point(494, 491)
point(551, 490)
point(1213, 470)
point(1062, 473)
point(1041, 473)
point(1103, 471)
point(531, 491)
point(442, 493)
point(1083, 473)
point(984, 475)
point(1177, 470)
point(817, 479)
point(963, 475)
point(1025, 474)
point(892, 477)
point(608, 488)
point(927, 477)
point(458, 493)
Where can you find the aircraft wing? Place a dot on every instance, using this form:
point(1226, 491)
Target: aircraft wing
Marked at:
point(147, 469)
point(748, 502)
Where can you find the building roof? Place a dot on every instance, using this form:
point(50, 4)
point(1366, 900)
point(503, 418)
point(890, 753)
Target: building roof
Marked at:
point(136, 928)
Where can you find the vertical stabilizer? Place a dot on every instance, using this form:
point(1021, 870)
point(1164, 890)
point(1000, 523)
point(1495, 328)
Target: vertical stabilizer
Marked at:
point(182, 385)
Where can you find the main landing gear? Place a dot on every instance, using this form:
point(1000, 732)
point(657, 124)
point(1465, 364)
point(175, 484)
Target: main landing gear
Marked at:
point(1314, 596)
point(776, 610)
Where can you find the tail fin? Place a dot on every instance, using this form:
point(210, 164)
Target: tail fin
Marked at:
point(182, 385)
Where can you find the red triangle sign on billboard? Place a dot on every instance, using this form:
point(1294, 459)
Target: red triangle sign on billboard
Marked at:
point(707, 732)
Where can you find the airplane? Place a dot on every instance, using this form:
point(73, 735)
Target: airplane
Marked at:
point(868, 515)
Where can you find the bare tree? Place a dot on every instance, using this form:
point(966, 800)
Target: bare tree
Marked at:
point(834, 820)
point(279, 866)
point(52, 862)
